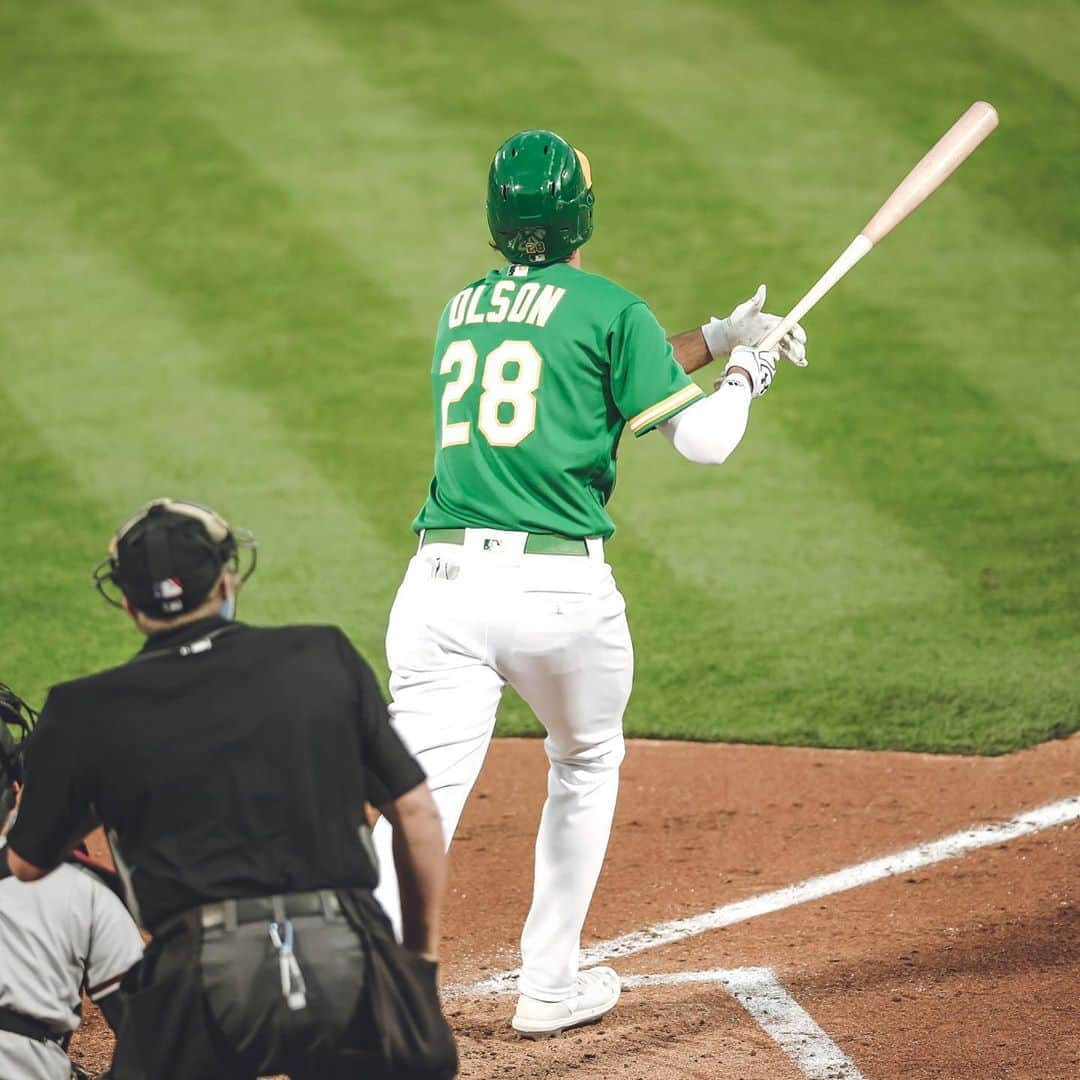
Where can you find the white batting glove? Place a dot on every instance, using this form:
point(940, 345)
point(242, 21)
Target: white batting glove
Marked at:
point(759, 364)
point(747, 325)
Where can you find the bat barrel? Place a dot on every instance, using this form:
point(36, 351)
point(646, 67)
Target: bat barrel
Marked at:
point(936, 166)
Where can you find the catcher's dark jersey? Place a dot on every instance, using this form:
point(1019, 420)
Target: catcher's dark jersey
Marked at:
point(225, 761)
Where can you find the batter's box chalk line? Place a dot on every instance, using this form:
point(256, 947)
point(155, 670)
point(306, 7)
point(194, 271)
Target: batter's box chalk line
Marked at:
point(815, 888)
point(783, 1019)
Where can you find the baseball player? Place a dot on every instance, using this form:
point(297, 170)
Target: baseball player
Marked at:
point(538, 368)
point(58, 938)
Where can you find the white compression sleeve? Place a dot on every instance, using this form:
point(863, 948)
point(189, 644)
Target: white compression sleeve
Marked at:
point(707, 431)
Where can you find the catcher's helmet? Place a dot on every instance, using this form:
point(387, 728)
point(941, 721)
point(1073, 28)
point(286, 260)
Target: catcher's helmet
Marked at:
point(14, 714)
point(166, 559)
point(540, 198)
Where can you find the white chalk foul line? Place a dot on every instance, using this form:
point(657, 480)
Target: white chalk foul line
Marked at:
point(851, 877)
point(783, 1019)
point(793, 1029)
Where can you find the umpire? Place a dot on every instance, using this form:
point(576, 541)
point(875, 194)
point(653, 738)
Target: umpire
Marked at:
point(230, 766)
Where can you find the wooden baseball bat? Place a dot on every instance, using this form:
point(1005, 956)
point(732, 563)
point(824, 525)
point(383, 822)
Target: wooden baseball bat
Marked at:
point(931, 172)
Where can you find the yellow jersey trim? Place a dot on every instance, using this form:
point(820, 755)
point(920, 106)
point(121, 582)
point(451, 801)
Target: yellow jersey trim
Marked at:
point(662, 409)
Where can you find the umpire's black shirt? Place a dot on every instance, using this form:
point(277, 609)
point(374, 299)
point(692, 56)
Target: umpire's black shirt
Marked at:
point(225, 761)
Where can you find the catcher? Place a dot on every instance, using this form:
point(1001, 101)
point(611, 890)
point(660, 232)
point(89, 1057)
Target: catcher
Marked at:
point(67, 935)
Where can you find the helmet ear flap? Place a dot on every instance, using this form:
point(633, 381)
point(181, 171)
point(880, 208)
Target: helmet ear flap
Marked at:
point(586, 168)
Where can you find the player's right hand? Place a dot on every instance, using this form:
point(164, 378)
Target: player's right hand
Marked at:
point(748, 324)
point(759, 364)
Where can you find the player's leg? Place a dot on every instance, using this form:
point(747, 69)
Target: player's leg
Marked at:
point(573, 664)
point(446, 724)
point(444, 699)
point(20, 1056)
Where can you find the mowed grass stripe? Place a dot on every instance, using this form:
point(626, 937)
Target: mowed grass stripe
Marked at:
point(476, 78)
point(753, 661)
point(935, 58)
point(1044, 33)
point(957, 439)
point(122, 401)
point(670, 680)
point(312, 75)
point(271, 75)
point(664, 477)
point(987, 266)
point(438, 44)
point(289, 317)
point(179, 208)
point(399, 195)
point(920, 687)
point(49, 622)
point(811, 161)
point(959, 476)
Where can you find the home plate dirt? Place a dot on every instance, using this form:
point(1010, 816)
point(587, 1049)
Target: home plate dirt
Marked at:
point(963, 969)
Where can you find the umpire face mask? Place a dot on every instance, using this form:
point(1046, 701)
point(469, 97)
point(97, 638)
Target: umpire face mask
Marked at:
point(169, 557)
point(16, 722)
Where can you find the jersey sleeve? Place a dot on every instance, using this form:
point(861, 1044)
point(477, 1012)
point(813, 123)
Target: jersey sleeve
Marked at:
point(55, 804)
point(647, 384)
point(390, 770)
point(115, 942)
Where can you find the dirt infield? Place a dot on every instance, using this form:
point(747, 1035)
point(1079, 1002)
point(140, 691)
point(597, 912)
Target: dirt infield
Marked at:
point(964, 969)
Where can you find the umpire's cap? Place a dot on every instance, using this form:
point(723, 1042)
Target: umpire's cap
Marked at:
point(166, 558)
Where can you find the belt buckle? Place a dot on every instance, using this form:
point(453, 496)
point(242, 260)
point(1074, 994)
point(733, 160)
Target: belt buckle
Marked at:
point(212, 916)
point(218, 916)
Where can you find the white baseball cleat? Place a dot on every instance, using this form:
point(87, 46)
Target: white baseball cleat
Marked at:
point(598, 990)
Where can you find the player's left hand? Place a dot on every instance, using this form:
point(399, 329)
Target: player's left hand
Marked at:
point(748, 325)
point(758, 364)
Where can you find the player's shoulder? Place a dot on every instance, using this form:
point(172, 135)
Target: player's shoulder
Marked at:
point(604, 288)
point(65, 883)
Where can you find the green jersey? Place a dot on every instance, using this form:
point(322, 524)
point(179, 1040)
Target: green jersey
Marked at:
point(536, 372)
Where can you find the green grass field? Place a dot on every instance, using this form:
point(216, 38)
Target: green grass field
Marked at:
point(229, 229)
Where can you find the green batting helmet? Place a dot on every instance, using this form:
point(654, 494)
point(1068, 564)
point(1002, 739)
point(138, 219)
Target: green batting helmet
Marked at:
point(540, 198)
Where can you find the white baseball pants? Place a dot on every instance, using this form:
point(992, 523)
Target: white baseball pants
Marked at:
point(32, 1060)
point(469, 619)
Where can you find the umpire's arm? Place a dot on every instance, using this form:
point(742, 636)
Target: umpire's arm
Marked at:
point(395, 784)
point(420, 861)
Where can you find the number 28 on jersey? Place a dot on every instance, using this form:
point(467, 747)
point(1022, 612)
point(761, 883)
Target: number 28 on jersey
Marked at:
point(511, 371)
